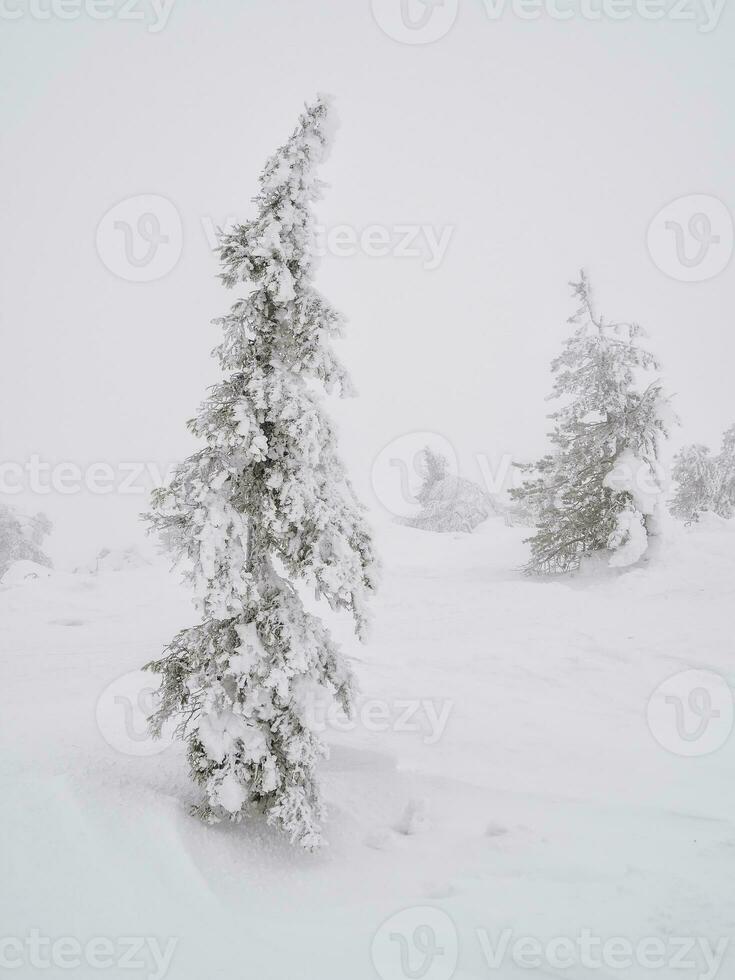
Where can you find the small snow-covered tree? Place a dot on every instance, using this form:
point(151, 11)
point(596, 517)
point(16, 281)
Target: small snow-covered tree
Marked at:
point(21, 537)
point(433, 468)
point(696, 478)
point(600, 487)
point(448, 502)
point(725, 500)
point(705, 482)
point(264, 505)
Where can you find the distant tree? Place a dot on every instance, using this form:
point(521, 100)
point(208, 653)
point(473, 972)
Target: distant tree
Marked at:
point(448, 502)
point(21, 537)
point(704, 482)
point(696, 478)
point(265, 505)
point(725, 500)
point(434, 468)
point(599, 489)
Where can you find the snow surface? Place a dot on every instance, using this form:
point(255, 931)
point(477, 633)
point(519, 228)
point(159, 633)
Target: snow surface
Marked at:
point(543, 803)
point(25, 571)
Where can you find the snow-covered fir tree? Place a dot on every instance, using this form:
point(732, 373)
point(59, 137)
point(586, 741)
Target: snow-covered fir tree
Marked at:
point(448, 502)
point(21, 537)
point(695, 475)
point(725, 501)
point(705, 482)
point(265, 505)
point(600, 488)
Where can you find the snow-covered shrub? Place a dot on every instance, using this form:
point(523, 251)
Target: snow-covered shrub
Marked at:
point(114, 560)
point(448, 502)
point(600, 488)
point(21, 536)
point(705, 482)
point(263, 505)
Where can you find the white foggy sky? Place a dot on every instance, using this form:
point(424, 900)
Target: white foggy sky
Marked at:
point(547, 145)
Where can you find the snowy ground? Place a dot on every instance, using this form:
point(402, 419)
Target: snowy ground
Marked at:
point(540, 799)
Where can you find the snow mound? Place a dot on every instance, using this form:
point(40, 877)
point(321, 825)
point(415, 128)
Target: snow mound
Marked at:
point(114, 560)
point(23, 572)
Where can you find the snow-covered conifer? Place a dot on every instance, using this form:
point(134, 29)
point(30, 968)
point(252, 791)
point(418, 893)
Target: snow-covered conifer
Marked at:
point(599, 489)
point(21, 537)
point(695, 475)
point(725, 501)
point(265, 505)
point(448, 502)
point(705, 482)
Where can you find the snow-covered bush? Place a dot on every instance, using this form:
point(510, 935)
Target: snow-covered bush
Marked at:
point(113, 560)
point(448, 502)
point(263, 505)
point(600, 489)
point(21, 537)
point(705, 482)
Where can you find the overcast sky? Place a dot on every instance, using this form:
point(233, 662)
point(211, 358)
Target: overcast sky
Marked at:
point(532, 147)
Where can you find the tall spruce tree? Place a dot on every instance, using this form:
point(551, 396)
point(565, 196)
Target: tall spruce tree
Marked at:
point(600, 487)
point(264, 505)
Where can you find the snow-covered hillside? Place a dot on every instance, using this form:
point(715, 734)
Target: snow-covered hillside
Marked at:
point(502, 769)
